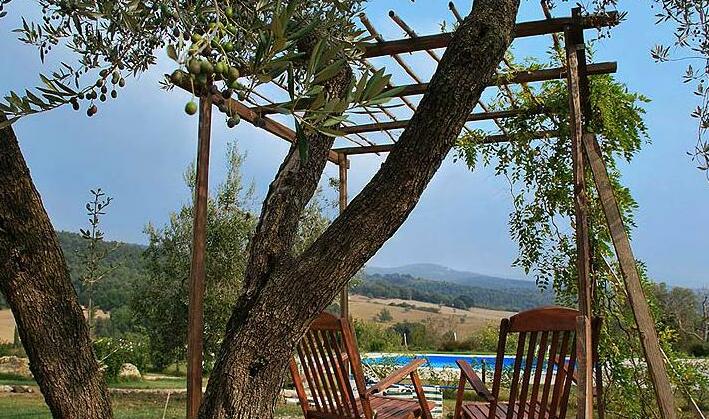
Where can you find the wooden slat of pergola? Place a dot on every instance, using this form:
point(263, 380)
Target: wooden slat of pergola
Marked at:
point(522, 30)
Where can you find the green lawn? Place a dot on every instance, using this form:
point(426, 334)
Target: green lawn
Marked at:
point(132, 406)
point(163, 383)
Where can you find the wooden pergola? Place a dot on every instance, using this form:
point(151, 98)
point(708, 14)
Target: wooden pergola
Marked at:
point(586, 152)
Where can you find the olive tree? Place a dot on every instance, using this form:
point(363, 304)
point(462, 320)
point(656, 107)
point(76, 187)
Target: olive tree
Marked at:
point(230, 47)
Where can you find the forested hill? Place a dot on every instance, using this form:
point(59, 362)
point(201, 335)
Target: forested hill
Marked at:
point(434, 272)
point(126, 265)
point(463, 290)
point(450, 294)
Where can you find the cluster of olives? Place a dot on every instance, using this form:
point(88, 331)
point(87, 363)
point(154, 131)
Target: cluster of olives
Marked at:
point(99, 91)
point(208, 65)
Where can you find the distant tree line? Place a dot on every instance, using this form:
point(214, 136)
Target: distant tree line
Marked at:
point(406, 287)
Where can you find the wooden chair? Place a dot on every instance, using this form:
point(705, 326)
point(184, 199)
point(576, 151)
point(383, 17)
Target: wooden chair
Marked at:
point(327, 353)
point(546, 337)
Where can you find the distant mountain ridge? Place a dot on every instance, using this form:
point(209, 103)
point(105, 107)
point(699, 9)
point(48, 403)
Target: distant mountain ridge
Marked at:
point(434, 272)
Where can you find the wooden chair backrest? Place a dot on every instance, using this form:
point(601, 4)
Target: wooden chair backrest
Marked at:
point(326, 354)
point(546, 337)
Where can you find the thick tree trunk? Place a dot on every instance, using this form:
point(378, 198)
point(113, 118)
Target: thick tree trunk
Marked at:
point(35, 282)
point(290, 292)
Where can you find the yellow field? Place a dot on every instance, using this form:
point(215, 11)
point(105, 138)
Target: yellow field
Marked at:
point(7, 326)
point(7, 323)
point(363, 308)
point(463, 322)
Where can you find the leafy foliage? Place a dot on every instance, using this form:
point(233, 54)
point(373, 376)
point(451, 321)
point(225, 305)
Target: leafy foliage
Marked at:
point(113, 353)
point(160, 301)
point(539, 172)
point(227, 46)
point(687, 18)
point(372, 337)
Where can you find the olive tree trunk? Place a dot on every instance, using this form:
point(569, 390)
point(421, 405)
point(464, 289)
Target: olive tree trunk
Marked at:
point(35, 282)
point(283, 293)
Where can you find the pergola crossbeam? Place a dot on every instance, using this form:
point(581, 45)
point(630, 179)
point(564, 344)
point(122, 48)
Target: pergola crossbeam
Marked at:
point(522, 30)
point(526, 76)
point(385, 148)
point(478, 116)
point(517, 77)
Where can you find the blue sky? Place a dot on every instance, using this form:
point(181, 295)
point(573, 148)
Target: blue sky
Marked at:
point(137, 148)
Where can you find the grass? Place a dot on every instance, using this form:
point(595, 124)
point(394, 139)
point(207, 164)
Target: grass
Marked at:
point(134, 406)
point(167, 383)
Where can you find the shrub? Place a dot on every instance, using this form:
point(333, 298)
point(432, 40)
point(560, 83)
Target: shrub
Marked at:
point(384, 316)
point(374, 338)
point(8, 349)
point(699, 349)
point(113, 353)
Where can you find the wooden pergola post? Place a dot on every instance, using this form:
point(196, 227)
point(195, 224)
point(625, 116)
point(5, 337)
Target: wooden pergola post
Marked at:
point(195, 309)
point(636, 296)
point(343, 165)
point(584, 357)
point(586, 149)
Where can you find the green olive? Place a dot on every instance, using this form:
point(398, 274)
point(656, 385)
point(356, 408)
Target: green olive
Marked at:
point(233, 73)
point(194, 66)
point(191, 108)
point(228, 46)
point(206, 68)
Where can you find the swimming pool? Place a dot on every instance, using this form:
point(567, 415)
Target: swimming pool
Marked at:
point(435, 360)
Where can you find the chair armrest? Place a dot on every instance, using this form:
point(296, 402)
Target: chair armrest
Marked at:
point(396, 376)
point(467, 371)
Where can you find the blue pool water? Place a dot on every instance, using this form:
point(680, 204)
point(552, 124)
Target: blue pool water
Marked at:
point(436, 360)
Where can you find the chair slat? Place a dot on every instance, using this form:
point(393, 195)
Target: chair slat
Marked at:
point(325, 371)
point(529, 362)
point(559, 381)
point(307, 370)
point(343, 363)
point(569, 378)
point(338, 369)
point(539, 367)
point(515, 373)
point(316, 374)
point(499, 365)
point(298, 384)
point(550, 367)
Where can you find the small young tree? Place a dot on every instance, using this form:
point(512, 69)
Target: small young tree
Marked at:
point(93, 257)
point(384, 316)
point(160, 302)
